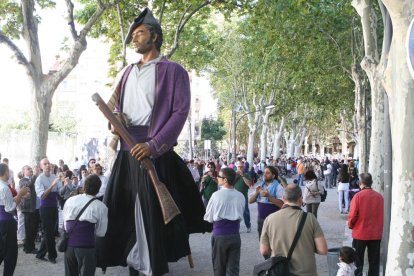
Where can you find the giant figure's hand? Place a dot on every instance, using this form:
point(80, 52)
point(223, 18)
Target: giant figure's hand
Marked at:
point(140, 151)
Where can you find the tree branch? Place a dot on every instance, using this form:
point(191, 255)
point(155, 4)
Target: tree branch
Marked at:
point(193, 12)
point(162, 11)
point(182, 23)
point(21, 59)
point(101, 8)
point(177, 33)
point(78, 48)
point(30, 35)
point(121, 29)
point(71, 21)
point(338, 48)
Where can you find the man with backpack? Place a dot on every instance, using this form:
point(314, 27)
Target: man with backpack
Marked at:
point(277, 234)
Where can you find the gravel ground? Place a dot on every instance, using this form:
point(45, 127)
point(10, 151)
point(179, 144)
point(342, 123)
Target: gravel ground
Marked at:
point(332, 223)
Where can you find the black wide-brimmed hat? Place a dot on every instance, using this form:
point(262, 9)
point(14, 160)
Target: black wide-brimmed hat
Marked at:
point(146, 17)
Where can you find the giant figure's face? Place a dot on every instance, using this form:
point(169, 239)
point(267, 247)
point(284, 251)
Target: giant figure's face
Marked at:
point(142, 40)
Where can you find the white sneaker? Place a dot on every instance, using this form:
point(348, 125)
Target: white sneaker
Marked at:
point(249, 229)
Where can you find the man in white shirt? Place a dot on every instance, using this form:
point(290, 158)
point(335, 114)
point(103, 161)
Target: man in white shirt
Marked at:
point(10, 181)
point(194, 172)
point(80, 256)
point(8, 225)
point(225, 210)
point(328, 174)
point(97, 170)
point(47, 186)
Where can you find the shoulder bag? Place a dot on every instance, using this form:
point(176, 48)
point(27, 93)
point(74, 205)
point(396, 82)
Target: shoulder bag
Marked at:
point(62, 244)
point(279, 265)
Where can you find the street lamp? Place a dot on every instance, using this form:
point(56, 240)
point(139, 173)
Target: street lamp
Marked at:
point(235, 124)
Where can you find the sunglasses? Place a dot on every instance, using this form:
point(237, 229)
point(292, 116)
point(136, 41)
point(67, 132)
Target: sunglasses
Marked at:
point(219, 176)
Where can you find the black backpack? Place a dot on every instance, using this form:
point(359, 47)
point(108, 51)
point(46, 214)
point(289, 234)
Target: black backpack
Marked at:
point(279, 265)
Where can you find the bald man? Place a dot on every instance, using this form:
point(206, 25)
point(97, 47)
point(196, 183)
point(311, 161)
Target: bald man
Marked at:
point(47, 186)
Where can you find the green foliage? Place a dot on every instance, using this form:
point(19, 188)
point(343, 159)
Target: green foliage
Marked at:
point(10, 18)
point(212, 129)
point(62, 123)
point(304, 45)
point(195, 49)
point(21, 122)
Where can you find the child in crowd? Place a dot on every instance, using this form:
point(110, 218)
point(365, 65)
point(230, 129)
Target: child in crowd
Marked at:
point(346, 265)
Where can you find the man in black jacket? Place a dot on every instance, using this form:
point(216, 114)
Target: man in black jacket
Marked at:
point(31, 214)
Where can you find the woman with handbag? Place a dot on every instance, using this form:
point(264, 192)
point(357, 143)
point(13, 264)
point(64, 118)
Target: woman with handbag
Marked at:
point(312, 193)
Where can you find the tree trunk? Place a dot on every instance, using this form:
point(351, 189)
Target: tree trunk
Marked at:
point(399, 86)
point(299, 142)
point(370, 64)
point(376, 153)
point(321, 149)
point(190, 137)
point(276, 140)
point(40, 125)
point(343, 134)
point(359, 120)
point(314, 147)
point(290, 145)
point(306, 143)
point(254, 120)
point(344, 143)
point(263, 135)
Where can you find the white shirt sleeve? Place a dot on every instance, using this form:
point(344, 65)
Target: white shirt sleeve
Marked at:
point(209, 216)
point(40, 189)
point(102, 224)
point(6, 198)
point(279, 191)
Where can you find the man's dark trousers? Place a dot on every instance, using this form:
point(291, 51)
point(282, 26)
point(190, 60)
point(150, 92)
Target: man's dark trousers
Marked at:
point(8, 246)
point(49, 216)
point(31, 225)
point(80, 261)
point(226, 254)
point(374, 247)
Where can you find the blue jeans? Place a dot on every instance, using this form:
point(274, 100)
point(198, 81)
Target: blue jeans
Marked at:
point(246, 215)
point(343, 195)
point(328, 181)
point(300, 179)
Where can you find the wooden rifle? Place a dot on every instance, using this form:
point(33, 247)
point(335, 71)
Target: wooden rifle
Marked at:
point(168, 207)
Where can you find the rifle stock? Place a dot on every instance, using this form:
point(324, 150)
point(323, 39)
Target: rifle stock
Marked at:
point(168, 207)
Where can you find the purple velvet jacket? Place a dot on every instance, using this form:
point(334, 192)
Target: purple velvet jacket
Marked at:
point(171, 106)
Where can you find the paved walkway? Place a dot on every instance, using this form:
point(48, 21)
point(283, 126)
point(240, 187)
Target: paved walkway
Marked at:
point(332, 223)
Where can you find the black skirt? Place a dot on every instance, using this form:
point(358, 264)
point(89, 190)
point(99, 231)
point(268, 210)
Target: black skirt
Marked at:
point(166, 243)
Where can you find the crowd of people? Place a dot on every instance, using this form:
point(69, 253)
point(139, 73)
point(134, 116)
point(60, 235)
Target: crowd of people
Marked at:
point(45, 190)
point(32, 205)
point(280, 205)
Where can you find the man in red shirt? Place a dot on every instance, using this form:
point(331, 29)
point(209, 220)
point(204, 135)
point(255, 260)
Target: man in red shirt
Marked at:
point(366, 219)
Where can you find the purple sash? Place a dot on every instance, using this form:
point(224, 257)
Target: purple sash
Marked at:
point(83, 235)
point(50, 200)
point(226, 227)
point(4, 215)
point(140, 134)
point(265, 209)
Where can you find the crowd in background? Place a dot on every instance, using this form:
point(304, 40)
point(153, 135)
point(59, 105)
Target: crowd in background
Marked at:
point(264, 182)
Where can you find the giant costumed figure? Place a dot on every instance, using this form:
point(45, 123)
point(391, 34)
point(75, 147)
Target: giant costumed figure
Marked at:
point(154, 97)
